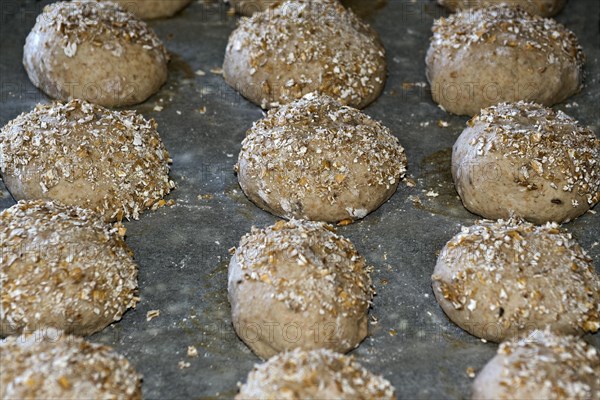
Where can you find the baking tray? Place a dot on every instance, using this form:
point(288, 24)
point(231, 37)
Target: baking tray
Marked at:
point(182, 250)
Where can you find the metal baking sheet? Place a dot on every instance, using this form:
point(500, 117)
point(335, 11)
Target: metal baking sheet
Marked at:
point(182, 250)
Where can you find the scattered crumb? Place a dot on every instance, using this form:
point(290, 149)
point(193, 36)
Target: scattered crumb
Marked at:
point(217, 71)
point(202, 110)
point(178, 112)
point(410, 182)
point(374, 320)
point(595, 244)
point(344, 222)
point(471, 372)
point(192, 351)
point(415, 199)
point(200, 72)
point(593, 212)
point(183, 364)
point(207, 196)
point(393, 332)
point(150, 315)
point(572, 105)
point(483, 340)
point(158, 108)
point(424, 124)
point(432, 193)
point(442, 124)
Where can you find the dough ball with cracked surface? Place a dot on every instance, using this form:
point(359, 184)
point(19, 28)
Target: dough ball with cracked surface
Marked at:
point(522, 159)
point(62, 267)
point(150, 9)
point(478, 58)
point(501, 280)
point(82, 154)
point(279, 55)
point(317, 374)
point(48, 364)
point(545, 366)
point(544, 8)
point(297, 284)
point(94, 51)
point(316, 159)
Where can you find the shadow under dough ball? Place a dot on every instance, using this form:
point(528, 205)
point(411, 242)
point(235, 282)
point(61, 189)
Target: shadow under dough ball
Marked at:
point(94, 51)
point(318, 374)
point(501, 280)
point(316, 159)
point(478, 58)
point(150, 9)
point(48, 364)
point(279, 55)
point(525, 160)
point(62, 267)
point(298, 284)
point(544, 366)
point(85, 155)
point(544, 8)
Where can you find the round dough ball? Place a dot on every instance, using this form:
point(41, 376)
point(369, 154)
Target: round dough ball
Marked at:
point(318, 374)
point(501, 280)
point(48, 364)
point(62, 267)
point(85, 155)
point(316, 159)
point(94, 51)
point(545, 366)
point(479, 58)
point(299, 47)
point(150, 9)
point(249, 7)
point(529, 161)
point(545, 8)
point(298, 284)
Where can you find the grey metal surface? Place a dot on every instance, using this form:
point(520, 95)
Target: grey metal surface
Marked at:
point(182, 250)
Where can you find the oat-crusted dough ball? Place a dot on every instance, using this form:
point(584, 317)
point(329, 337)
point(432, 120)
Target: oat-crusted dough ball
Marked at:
point(62, 267)
point(318, 374)
point(94, 51)
point(545, 8)
point(82, 154)
point(501, 280)
point(545, 366)
point(298, 284)
point(48, 364)
point(150, 9)
point(529, 161)
point(478, 58)
point(316, 159)
point(279, 55)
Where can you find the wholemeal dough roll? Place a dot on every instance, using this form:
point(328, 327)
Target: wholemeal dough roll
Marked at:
point(478, 58)
point(94, 51)
point(62, 267)
point(544, 366)
point(501, 280)
point(545, 8)
point(279, 55)
point(316, 159)
point(150, 9)
point(85, 155)
point(298, 284)
point(48, 364)
point(318, 374)
point(526, 160)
